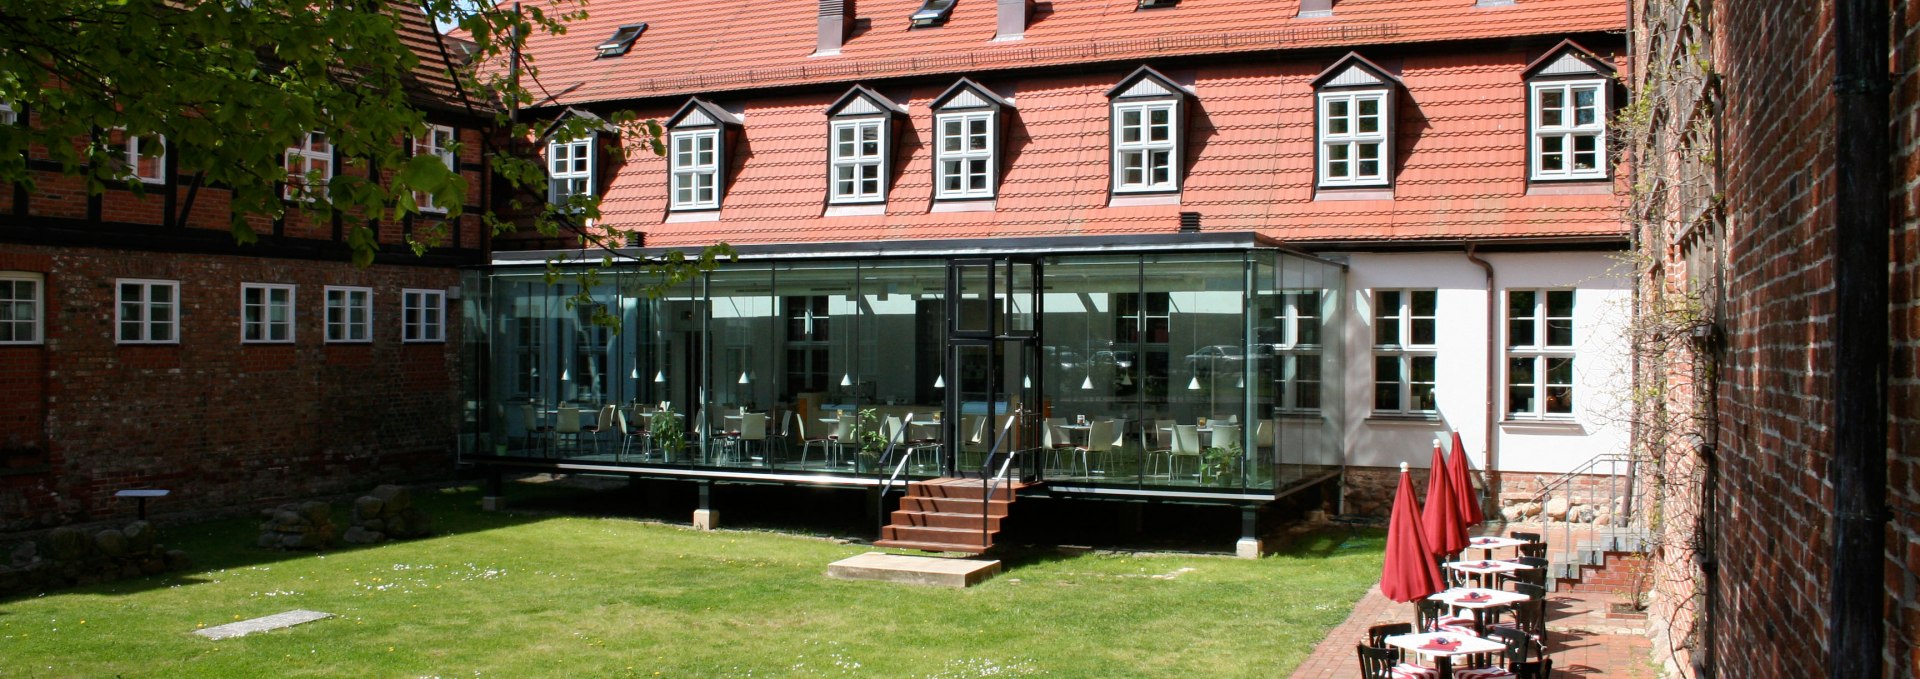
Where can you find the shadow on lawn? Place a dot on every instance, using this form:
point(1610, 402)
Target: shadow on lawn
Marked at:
point(230, 543)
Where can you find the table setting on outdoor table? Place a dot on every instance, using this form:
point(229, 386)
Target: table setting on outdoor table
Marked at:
point(1484, 569)
point(1442, 647)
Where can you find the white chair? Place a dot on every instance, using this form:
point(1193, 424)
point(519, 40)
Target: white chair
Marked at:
point(530, 421)
point(1186, 445)
point(601, 424)
point(972, 428)
point(753, 434)
point(567, 424)
point(1158, 441)
point(1099, 440)
point(1224, 436)
point(826, 444)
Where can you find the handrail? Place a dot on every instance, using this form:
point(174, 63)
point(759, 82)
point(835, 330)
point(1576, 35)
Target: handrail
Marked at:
point(892, 439)
point(1544, 496)
point(986, 480)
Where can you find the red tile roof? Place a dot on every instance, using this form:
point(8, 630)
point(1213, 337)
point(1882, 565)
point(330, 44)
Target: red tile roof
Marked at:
point(723, 45)
point(1462, 141)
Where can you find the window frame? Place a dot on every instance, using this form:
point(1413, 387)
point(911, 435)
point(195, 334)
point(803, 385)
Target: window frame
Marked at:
point(1145, 146)
point(1540, 353)
point(989, 156)
point(579, 150)
point(299, 190)
point(1537, 132)
point(1405, 350)
point(431, 143)
point(8, 114)
point(410, 327)
point(265, 323)
point(835, 161)
point(129, 147)
point(1290, 352)
point(146, 303)
point(1325, 140)
point(37, 325)
point(328, 309)
point(676, 171)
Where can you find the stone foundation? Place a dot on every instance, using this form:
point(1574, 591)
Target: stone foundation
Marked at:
point(1369, 492)
point(70, 557)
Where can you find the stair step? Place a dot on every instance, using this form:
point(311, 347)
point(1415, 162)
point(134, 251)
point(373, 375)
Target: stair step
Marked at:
point(963, 489)
point(943, 520)
point(948, 536)
point(930, 546)
point(951, 505)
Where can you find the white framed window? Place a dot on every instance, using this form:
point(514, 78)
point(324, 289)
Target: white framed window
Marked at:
point(1405, 331)
point(143, 159)
point(1540, 354)
point(695, 161)
point(266, 313)
point(8, 116)
point(858, 160)
point(309, 167)
point(21, 308)
point(569, 169)
point(1569, 129)
point(146, 311)
point(1297, 350)
point(423, 315)
point(1353, 138)
point(349, 314)
point(963, 156)
point(438, 141)
point(1144, 146)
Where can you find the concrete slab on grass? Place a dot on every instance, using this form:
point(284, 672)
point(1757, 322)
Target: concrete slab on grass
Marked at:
point(914, 570)
point(263, 624)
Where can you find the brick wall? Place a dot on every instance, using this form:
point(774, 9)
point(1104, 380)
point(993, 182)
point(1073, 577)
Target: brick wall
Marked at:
point(1902, 655)
point(220, 423)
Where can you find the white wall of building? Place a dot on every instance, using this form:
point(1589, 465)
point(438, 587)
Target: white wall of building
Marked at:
point(1601, 363)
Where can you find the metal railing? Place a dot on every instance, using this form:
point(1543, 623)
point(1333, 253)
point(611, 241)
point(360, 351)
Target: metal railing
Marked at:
point(1566, 487)
point(987, 485)
point(898, 468)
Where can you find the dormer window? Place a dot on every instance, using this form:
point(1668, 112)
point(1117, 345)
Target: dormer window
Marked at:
point(1567, 106)
point(622, 40)
point(860, 139)
point(933, 13)
point(1148, 129)
point(967, 130)
point(1353, 123)
point(569, 169)
point(699, 139)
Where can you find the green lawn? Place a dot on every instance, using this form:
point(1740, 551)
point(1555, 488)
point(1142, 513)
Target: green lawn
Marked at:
point(524, 595)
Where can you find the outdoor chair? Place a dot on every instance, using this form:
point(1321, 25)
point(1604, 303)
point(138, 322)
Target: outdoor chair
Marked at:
point(1384, 663)
point(1534, 669)
point(1377, 634)
point(1534, 549)
point(1433, 616)
point(1529, 616)
point(1519, 648)
point(1534, 592)
point(1525, 536)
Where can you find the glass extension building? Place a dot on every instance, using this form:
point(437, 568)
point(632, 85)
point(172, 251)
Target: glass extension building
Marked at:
point(1188, 365)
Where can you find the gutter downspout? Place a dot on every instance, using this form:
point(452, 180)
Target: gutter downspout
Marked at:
point(1493, 371)
point(1862, 225)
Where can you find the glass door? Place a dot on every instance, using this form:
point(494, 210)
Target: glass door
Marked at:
point(992, 385)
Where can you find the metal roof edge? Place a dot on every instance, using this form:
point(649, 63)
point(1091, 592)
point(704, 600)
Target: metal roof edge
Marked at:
point(1018, 245)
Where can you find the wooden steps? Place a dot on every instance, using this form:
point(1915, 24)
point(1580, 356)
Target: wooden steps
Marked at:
point(946, 515)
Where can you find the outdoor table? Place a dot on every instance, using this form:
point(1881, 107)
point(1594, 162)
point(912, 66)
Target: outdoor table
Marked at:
point(1486, 545)
point(1481, 570)
point(1443, 657)
point(1458, 597)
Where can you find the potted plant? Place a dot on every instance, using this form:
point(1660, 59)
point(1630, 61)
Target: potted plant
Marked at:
point(1222, 463)
point(869, 437)
point(668, 432)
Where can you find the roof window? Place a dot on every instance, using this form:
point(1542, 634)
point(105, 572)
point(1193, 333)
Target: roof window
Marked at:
point(1150, 4)
point(621, 41)
point(933, 13)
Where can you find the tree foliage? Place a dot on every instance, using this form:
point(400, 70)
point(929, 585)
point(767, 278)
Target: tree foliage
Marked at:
point(231, 84)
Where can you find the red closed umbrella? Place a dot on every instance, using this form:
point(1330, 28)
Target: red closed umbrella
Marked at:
point(1410, 572)
point(1441, 517)
point(1462, 476)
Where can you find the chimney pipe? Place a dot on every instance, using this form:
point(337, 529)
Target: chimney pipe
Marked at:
point(1316, 8)
point(836, 21)
point(1013, 18)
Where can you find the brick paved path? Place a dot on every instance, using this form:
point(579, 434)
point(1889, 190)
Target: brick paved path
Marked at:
point(1582, 641)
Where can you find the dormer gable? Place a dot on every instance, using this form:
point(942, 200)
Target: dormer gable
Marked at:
point(967, 95)
point(1147, 83)
point(863, 101)
point(697, 113)
point(1569, 60)
point(1355, 71)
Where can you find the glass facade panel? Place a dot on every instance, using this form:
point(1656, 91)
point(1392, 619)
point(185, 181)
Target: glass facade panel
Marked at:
point(1196, 372)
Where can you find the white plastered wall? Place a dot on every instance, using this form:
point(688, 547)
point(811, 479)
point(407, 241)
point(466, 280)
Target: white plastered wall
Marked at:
point(1601, 363)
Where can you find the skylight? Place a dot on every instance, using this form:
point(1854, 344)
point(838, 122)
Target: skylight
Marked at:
point(934, 13)
point(622, 40)
point(1150, 4)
